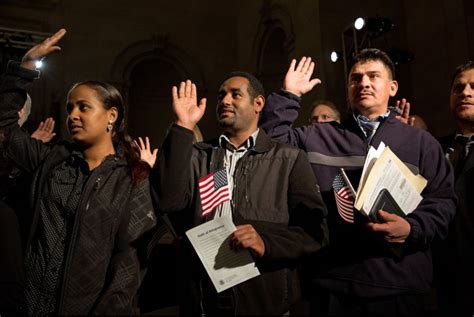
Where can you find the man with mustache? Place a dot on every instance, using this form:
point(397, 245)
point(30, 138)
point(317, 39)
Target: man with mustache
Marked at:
point(361, 276)
point(275, 202)
point(456, 274)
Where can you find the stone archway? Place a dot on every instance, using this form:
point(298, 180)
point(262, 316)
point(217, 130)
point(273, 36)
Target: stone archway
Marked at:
point(149, 98)
point(145, 71)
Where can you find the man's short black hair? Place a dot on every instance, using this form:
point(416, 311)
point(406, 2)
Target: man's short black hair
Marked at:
point(374, 54)
point(255, 87)
point(461, 69)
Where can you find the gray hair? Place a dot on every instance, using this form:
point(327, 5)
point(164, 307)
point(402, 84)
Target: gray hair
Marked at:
point(27, 110)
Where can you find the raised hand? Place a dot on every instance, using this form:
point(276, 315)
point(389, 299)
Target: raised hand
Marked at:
point(146, 154)
point(42, 49)
point(394, 229)
point(44, 132)
point(298, 78)
point(185, 105)
point(403, 116)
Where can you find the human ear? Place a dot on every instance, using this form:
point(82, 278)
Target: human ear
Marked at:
point(258, 103)
point(112, 114)
point(393, 88)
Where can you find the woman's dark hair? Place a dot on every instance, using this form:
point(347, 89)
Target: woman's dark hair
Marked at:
point(111, 97)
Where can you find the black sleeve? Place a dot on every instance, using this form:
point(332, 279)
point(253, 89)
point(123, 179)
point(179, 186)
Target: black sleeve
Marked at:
point(22, 149)
point(172, 177)
point(13, 86)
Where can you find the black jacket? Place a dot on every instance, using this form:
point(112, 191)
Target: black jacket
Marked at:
point(102, 269)
point(455, 257)
point(274, 191)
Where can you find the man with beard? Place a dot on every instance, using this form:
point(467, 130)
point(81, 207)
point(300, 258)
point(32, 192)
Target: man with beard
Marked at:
point(456, 271)
point(275, 203)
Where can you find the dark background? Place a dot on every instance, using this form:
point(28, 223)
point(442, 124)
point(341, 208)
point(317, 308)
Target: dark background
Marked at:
point(146, 46)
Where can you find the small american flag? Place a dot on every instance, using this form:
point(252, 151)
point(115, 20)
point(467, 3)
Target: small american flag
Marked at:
point(214, 190)
point(344, 199)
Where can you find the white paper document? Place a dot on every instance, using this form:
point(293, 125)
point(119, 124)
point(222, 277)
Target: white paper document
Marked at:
point(372, 155)
point(383, 169)
point(403, 192)
point(225, 267)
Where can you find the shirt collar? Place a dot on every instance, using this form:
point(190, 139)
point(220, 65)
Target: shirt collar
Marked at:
point(224, 141)
point(380, 118)
point(459, 138)
point(369, 126)
point(459, 135)
point(77, 158)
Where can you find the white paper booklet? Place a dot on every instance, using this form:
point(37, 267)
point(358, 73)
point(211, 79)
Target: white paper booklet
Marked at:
point(383, 169)
point(225, 267)
point(372, 156)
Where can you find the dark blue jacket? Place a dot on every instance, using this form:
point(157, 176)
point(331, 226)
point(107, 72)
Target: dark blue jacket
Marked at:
point(359, 263)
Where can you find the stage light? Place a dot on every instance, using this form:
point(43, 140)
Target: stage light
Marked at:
point(334, 56)
point(39, 64)
point(359, 23)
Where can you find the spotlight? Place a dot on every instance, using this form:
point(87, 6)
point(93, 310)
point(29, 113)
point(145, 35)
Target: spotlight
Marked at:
point(359, 23)
point(39, 64)
point(334, 56)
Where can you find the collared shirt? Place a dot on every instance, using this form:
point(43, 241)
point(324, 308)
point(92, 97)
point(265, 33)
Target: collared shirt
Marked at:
point(466, 141)
point(45, 258)
point(370, 126)
point(232, 156)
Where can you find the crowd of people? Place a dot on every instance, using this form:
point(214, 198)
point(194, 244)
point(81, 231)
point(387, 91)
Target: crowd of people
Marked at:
point(91, 208)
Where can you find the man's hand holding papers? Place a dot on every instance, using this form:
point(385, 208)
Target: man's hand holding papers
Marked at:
point(246, 237)
point(387, 182)
point(226, 267)
point(385, 171)
point(393, 228)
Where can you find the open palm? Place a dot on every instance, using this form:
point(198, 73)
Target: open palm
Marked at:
point(44, 132)
point(185, 105)
point(298, 78)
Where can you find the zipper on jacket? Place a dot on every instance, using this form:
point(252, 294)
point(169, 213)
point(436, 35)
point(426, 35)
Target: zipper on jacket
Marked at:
point(240, 178)
point(84, 201)
point(203, 314)
point(235, 300)
point(247, 188)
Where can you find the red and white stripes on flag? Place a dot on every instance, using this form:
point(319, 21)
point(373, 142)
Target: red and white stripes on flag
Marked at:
point(213, 190)
point(344, 199)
